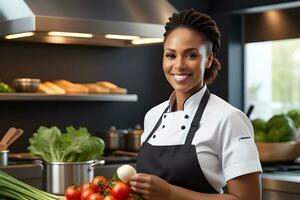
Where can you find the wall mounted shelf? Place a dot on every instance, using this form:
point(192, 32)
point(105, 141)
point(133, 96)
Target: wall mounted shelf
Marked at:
point(67, 97)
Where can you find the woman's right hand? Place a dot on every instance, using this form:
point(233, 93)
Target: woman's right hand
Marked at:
point(150, 187)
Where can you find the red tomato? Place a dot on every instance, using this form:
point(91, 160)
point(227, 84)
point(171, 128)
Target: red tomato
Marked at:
point(130, 198)
point(98, 183)
point(109, 198)
point(86, 193)
point(120, 190)
point(86, 186)
point(72, 193)
point(95, 196)
point(107, 191)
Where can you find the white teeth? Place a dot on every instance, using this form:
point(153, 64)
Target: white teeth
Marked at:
point(180, 77)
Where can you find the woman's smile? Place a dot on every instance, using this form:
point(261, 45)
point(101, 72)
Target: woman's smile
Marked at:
point(181, 78)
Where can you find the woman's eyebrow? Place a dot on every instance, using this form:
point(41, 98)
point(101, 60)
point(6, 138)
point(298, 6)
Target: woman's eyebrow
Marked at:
point(168, 49)
point(191, 49)
point(186, 50)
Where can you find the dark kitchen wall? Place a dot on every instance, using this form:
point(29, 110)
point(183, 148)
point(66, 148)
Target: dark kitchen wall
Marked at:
point(138, 69)
point(272, 25)
point(245, 20)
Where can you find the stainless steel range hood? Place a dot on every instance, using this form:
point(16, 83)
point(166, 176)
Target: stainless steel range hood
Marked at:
point(94, 19)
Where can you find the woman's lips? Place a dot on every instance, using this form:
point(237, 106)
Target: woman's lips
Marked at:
point(180, 77)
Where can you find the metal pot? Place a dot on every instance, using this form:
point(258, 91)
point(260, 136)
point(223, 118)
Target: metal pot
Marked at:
point(57, 176)
point(133, 139)
point(3, 157)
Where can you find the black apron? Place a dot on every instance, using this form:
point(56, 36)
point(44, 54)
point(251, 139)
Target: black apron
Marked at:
point(177, 164)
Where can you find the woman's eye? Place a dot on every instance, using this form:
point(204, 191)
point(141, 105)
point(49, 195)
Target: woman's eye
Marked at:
point(170, 56)
point(191, 55)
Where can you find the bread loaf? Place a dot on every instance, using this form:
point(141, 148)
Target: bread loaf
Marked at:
point(112, 87)
point(107, 84)
point(119, 90)
point(71, 88)
point(57, 89)
point(45, 89)
point(96, 89)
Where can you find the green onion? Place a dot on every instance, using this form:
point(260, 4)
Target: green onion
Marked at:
point(12, 188)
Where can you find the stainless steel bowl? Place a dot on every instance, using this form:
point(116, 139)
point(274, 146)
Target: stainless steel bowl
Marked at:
point(26, 84)
point(4, 158)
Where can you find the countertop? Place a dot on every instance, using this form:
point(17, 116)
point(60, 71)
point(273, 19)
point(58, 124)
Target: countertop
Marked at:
point(32, 174)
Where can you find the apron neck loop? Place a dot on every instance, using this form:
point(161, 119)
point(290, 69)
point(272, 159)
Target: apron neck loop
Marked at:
point(196, 121)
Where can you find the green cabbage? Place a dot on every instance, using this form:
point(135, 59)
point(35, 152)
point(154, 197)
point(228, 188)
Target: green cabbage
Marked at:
point(295, 116)
point(280, 128)
point(75, 145)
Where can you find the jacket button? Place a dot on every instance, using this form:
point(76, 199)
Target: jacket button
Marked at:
point(186, 116)
point(165, 116)
point(183, 127)
point(154, 136)
point(163, 126)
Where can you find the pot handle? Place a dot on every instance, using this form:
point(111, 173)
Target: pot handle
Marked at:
point(39, 163)
point(97, 162)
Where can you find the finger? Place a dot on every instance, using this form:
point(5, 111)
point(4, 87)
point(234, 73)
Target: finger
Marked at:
point(140, 177)
point(140, 191)
point(144, 186)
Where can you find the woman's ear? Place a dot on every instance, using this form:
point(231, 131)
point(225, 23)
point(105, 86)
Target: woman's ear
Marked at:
point(209, 60)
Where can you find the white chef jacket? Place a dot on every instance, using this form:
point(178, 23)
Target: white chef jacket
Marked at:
point(224, 142)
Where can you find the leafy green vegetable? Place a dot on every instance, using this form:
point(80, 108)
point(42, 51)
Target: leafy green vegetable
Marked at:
point(260, 136)
point(11, 188)
point(295, 116)
point(259, 124)
point(5, 88)
point(280, 128)
point(73, 146)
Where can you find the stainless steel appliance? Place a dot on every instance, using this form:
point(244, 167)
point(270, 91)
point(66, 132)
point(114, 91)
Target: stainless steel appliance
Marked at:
point(281, 181)
point(93, 21)
point(57, 176)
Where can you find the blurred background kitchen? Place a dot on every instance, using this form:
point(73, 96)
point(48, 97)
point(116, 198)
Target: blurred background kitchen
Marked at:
point(260, 55)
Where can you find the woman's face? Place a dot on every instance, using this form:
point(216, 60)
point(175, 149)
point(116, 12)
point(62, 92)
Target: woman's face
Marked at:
point(185, 60)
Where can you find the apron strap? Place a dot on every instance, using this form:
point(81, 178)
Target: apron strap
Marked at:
point(196, 121)
point(156, 125)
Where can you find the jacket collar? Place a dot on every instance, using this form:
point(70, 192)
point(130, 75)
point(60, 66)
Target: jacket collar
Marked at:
point(190, 103)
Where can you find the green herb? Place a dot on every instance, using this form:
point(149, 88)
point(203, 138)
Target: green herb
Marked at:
point(5, 88)
point(73, 146)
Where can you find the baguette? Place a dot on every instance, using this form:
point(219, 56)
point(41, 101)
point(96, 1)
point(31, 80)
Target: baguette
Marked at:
point(119, 90)
point(71, 88)
point(113, 88)
point(54, 87)
point(45, 89)
point(96, 89)
point(107, 84)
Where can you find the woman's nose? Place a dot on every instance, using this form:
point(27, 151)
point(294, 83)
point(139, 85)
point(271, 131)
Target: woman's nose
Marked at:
point(179, 64)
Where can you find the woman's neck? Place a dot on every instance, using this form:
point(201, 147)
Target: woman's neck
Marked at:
point(181, 97)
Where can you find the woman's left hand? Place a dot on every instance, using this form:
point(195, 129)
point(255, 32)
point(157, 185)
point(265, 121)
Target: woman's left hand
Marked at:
point(150, 187)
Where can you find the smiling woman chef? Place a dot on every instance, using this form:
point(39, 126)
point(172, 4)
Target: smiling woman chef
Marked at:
point(195, 143)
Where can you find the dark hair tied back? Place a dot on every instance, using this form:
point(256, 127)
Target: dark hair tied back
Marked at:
point(203, 24)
